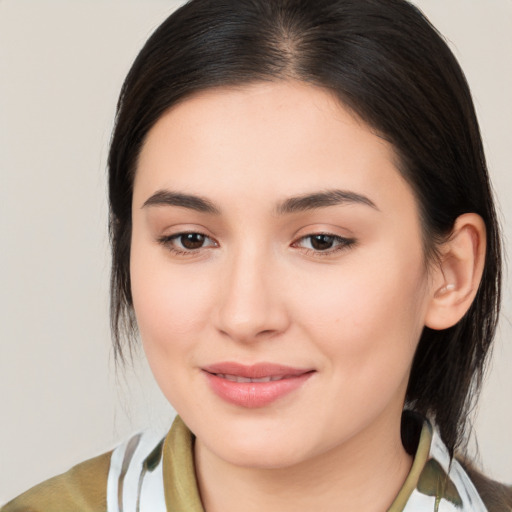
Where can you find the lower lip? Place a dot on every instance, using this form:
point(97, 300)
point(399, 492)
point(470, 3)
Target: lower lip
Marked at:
point(255, 394)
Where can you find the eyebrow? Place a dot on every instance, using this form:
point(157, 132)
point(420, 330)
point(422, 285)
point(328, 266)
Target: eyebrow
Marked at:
point(192, 202)
point(291, 205)
point(322, 200)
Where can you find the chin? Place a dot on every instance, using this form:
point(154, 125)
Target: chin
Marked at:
point(257, 446)
point(262, 456)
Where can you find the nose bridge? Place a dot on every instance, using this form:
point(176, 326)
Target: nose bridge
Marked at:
point(249, 307)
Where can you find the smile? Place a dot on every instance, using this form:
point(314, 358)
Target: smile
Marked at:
point(238, 378)
point(254, 386)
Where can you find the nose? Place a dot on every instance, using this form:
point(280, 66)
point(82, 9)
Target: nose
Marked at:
point(251, 304)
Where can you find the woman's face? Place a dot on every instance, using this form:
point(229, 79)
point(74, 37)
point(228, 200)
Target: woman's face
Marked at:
point(277, 272)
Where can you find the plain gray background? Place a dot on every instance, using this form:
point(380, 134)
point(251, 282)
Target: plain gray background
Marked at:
point(61, 67)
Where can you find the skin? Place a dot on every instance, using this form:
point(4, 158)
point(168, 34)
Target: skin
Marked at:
point(258, 291)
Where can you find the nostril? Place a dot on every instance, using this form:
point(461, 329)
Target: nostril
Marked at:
point(267, 332)
point(247, 335)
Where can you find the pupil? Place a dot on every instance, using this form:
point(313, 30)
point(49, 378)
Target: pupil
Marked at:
point(192, 240)
point(322, 242)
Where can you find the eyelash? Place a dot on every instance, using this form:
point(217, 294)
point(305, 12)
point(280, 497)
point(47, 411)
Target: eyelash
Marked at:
point(168, 241)
point(342, 244)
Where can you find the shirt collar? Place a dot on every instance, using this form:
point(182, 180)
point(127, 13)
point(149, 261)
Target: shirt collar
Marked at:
point(435, 483)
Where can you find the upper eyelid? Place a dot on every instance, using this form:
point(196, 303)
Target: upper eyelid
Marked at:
point(174, 232)
point(336, 237)
point(324, 232)
point(317, 227)
point(167, 239)
point(182, 233)
point(344, 243)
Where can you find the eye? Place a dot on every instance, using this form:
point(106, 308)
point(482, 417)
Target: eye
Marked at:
point(323, 243)
point(182, 243)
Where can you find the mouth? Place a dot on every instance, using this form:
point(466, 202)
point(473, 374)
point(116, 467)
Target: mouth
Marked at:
point(254, 386)
point(238, 378)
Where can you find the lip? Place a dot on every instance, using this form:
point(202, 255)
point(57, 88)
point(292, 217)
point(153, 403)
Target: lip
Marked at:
point(228, 381)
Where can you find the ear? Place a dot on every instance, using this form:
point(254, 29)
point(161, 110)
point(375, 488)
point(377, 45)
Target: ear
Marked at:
point(456, 278)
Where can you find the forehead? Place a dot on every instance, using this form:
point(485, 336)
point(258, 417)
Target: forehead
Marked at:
point(278, 137)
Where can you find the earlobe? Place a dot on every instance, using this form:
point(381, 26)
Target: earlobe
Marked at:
point(457, 277)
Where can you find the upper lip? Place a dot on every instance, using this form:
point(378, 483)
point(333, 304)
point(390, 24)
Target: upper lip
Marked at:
point(255, 371)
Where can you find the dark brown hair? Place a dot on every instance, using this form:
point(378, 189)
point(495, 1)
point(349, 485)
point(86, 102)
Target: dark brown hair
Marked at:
point(384, 61)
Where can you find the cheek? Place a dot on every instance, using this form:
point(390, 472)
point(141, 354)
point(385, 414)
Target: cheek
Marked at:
point(171, 304)
point(170, 308)
point(369, 315)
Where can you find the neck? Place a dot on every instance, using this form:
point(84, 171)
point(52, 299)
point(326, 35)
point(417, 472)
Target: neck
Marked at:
point(365, 473)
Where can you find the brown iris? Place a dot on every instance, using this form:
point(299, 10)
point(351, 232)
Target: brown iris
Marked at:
point(192, 240)
point(322, 242)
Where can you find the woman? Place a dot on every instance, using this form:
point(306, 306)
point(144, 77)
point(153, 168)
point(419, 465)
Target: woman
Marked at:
point(304, 237)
